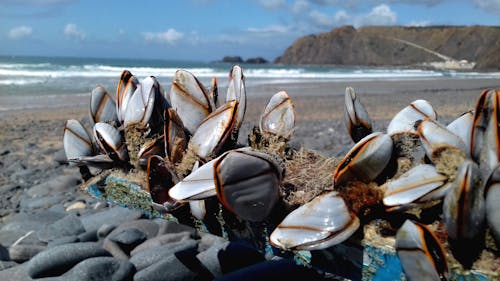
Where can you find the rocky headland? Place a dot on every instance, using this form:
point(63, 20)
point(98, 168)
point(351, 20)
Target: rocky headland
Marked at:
point(449, 47)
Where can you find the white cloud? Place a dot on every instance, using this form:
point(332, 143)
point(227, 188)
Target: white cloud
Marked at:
point(20, 32)
point(300, 6)
point(419, 23)
point(269, 30)
point(170, 36)
point(321, 20)
point(379, 15)
point(71, 31)
point(272, 4)
point(488, 5)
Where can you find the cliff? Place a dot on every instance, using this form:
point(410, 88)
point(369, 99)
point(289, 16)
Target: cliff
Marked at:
point(399, 46)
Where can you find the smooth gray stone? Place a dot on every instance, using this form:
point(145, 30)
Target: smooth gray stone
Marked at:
point(4, 253)
point(16, 273)
point(60, 183)
point(168, 268)
point(208, 240)
point(63, 240)
point(161, 240)
point(88, 236)
point(18, 225)
point(57, 260)
point(148, 227)
point(209, 257)
point(69, 225)
point(115, 249)
point(148, 257)
point(24, 252)
point(7, 264)
point(99, 268)
point(104, 230)
point(173, 227)
point(129, 236)
point(43, 202)
point(114, 216)
point(60, 157)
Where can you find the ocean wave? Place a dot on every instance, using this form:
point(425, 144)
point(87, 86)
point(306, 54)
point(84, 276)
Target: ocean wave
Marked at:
point(18, 73)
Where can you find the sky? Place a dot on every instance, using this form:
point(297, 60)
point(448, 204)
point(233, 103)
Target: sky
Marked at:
point(207, 30)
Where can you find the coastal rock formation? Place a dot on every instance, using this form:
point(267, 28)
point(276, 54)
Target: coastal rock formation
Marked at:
point(456, 47)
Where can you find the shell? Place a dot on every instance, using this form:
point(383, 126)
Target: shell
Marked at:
point(356, 118)
point(321, 223)
point(462, 127)
point(124, 91)
point(102, 106)
point(420, 252)
point(247, 183)
point(278, 117)
point(175, 138)
point(435, 137)
point(214, 131)
point(404, 120)
point(485, 136)
point(110, 141)
point(199, 184)
point(76, 140)
point(416, 185)
point(366, 160)
point(236, 91)
point(464, 207)
point(492, 197)
point(146, 105)
point(160, 178)
point(190, 99)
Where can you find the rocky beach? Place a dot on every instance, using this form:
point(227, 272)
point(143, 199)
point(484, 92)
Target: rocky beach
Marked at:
point(50, 229)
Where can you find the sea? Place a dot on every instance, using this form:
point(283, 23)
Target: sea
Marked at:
point(21, 75)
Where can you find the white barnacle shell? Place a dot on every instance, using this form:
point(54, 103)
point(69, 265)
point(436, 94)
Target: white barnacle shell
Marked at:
point(321, 223)
point(198, 185)
point(76, 140)
point(190, 99)
point(102, 106)
point(435, 137)
point(214, 131)
point(421, 183)
point(146, 100)
point(404, 121)
point(278, 117)
point(420, 252)
point(485, 136)
point(236, 91)
point(110, 141)
point(462, 127)
point(356, 118)
point(366, 159)
point(124, 91)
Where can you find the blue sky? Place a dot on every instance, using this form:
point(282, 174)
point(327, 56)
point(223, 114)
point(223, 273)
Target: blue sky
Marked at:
point(207, 29)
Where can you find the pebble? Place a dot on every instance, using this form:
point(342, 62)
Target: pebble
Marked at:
point(63, 240)
point(4, 253)
point(88, 236)
point(43, 202)
point(98, 268)
point(173, 227)
point(69, 225)
point(57, 184)
point(148, 227)
point(57, 260)
point(113, 216)
point(150, 256)
point(15, 273)
point(78, 205)
point(24, 252)
point(169, 268)
point(114, 249)
point(7, 264)
point(161, 240)
point(104, 230)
